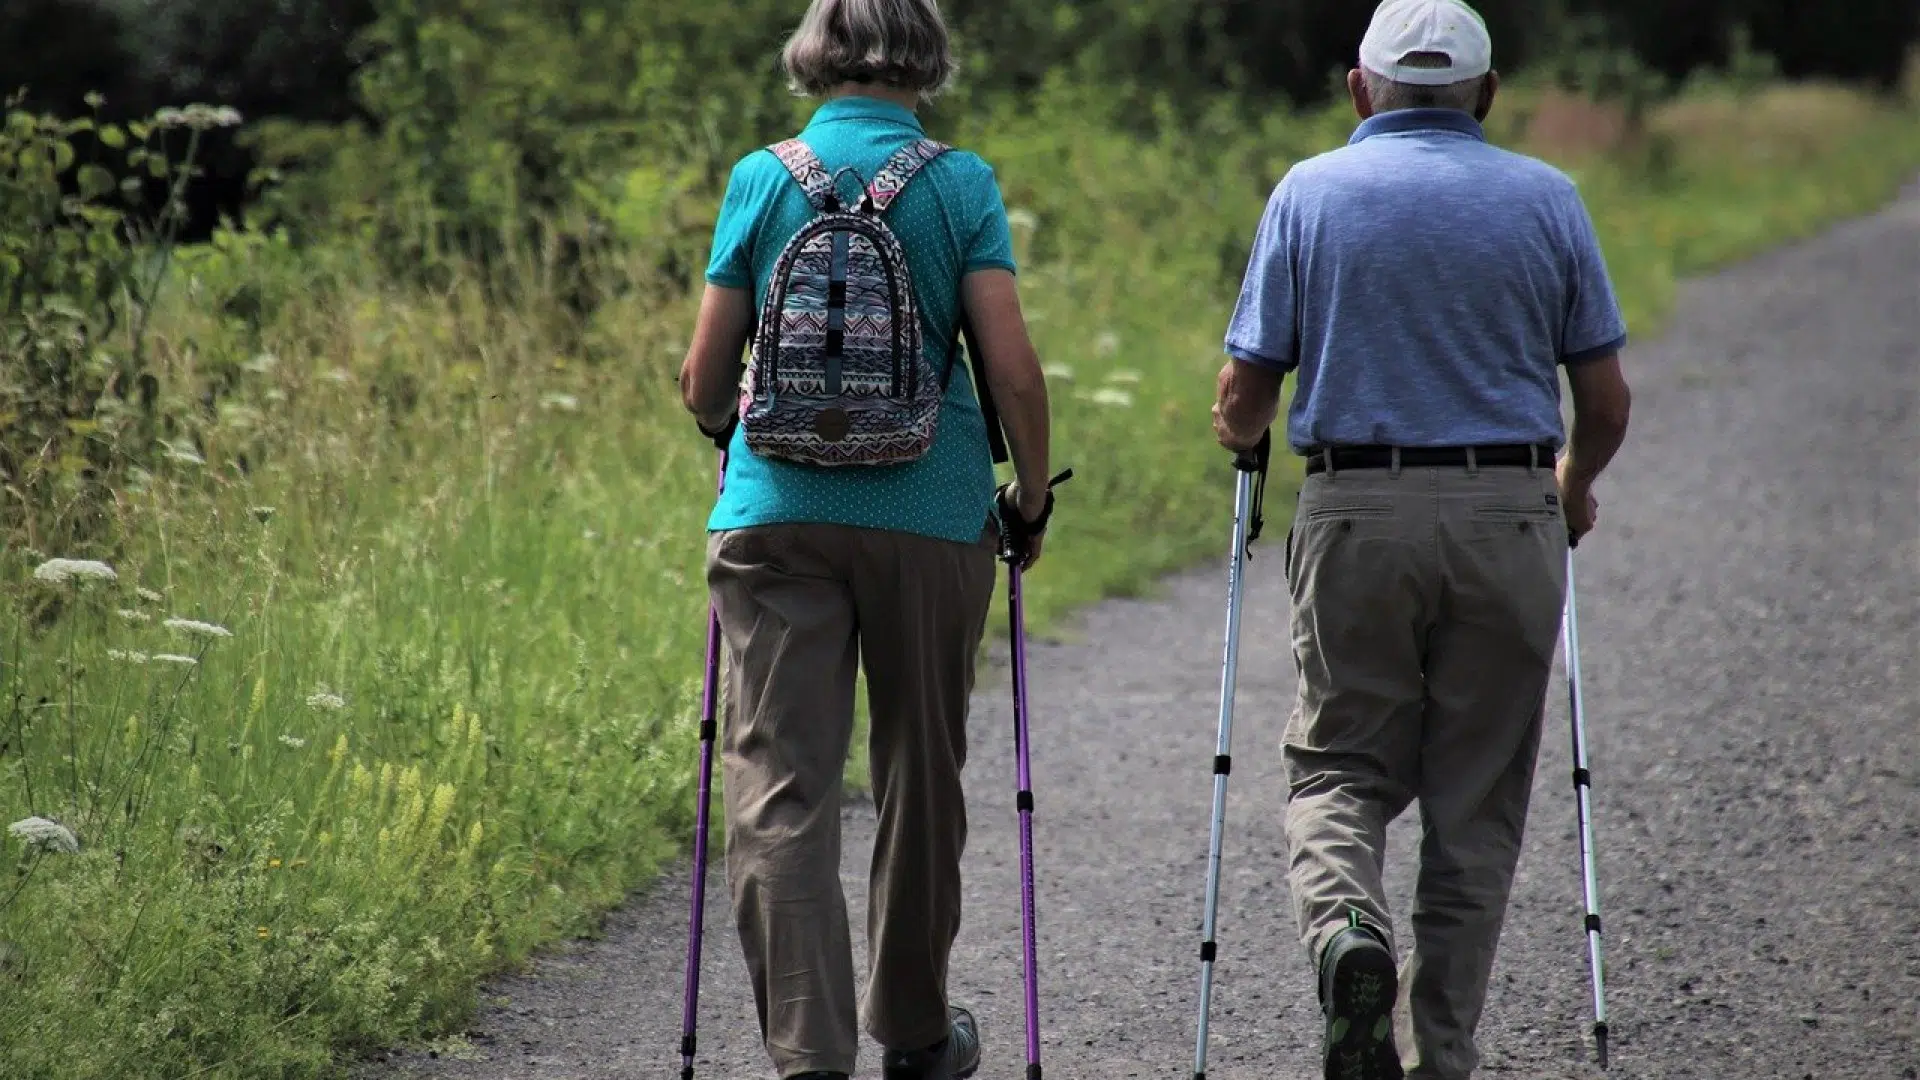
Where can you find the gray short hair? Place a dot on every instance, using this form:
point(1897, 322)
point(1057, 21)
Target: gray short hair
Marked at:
point(1390, 96)
point(901, 44)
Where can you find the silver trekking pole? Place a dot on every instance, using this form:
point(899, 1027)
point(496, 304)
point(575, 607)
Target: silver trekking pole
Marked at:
point(1582, 786)
point(1252, 466)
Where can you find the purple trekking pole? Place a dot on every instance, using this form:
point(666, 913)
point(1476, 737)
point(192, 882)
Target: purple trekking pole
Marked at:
point(1012, 553)
point(696, 924)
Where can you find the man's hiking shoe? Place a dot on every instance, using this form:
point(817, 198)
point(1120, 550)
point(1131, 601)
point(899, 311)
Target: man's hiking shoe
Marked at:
point(954, 1058)
point(820, 1076)
point(1358, 986)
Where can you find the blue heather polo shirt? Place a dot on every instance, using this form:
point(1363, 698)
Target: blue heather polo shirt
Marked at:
point(952, 221)
point(1426, 286)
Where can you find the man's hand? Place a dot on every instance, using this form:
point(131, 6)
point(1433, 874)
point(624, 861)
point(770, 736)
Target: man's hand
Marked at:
point(1582, 510)
point(1247, 404)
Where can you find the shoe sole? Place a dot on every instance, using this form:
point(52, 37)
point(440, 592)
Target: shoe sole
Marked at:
point(958, 1074)
point(1360, 1043)
point(964, 1073)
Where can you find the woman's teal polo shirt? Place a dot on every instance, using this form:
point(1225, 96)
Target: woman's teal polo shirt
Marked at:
point(952, 221)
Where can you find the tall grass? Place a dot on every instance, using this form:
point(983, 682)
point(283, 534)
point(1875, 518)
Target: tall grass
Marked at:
point(461, 570)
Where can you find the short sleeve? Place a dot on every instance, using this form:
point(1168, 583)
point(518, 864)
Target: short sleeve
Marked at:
point(991, 247)
point(730, 265)
point(1595, 325)
point(1264, 329)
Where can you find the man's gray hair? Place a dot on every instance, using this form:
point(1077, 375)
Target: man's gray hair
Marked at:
point(901, 44)
point(1390, 96)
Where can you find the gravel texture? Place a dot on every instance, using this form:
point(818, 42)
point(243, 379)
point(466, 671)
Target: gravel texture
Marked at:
point(1750, 612)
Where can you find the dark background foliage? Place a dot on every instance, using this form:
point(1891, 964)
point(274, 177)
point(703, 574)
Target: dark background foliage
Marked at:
point(304, 60)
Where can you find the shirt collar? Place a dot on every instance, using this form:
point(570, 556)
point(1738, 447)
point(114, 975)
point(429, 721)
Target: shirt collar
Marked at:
point(864, 108)
point(1403, 121)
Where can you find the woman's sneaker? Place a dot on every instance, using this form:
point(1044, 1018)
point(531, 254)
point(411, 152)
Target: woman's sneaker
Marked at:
point(1358, 986)
point(956, 1057)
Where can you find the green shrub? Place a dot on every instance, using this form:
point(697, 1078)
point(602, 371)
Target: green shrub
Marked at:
point(80, 272)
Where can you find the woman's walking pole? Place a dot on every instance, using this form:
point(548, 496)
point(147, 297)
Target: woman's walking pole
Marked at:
point(696, 922)
point(1013, 553)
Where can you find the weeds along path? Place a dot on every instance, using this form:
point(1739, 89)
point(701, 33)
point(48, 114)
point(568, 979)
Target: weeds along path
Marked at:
point(1750, 613)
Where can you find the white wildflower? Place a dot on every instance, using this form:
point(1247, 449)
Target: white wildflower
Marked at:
point(1108, 396)
point(294, 741)
point(1059, 371)
point(261, 363)
point(129, 657)
point(1127, 378)
point(262, 514)
point(1107, 343)
point(563, 402)
point(131, 615)
point(1022, 218)
point(336, 375)
point(173, 658)
point(198, 117)
point(61, 571)
point(182, 451)
point(49, 836)
point(148, 595)
point(195, 626)
point(326, 701)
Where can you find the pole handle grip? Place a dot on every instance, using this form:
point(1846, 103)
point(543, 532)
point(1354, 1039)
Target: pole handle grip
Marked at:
point(1256, 459)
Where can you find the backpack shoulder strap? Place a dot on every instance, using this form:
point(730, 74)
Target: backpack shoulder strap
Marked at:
point(996, 436)
point(807, 170)
point(900, 170)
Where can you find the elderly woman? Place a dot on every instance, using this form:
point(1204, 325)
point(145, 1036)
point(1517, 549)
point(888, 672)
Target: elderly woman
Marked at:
point(817, 568)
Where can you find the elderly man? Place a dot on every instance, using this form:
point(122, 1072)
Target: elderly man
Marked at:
point(1427, 289)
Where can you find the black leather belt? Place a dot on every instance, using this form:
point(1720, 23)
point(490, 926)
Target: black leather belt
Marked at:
point(1429, 457)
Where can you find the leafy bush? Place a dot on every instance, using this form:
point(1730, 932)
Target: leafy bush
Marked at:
point(80, 272)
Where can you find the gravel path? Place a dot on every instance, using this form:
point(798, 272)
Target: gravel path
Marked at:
point(1750, 610)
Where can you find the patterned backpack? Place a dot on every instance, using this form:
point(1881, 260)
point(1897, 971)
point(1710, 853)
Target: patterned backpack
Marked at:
point(838, 376)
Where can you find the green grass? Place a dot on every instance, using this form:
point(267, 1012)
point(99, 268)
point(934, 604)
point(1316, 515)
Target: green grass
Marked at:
point(490, 550)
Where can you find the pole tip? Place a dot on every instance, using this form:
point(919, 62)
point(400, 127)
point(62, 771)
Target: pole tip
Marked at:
point(1600, 1042)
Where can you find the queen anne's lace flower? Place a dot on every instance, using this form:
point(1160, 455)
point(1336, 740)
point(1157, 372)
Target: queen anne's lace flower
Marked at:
point(129, 657)
point(173, 658)
point(1110, 397)
point(134, 615)
point(194, 626)
point(148, 595)
point(49, 836)
point(294, 741)
point(326, 701)
point(61, 571)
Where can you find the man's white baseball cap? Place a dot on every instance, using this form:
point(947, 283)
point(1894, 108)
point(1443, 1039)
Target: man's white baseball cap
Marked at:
point(1448, 27)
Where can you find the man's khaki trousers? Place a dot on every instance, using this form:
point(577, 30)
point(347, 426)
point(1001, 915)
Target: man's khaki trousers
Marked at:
point(1426, 613)
point(801, 607)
